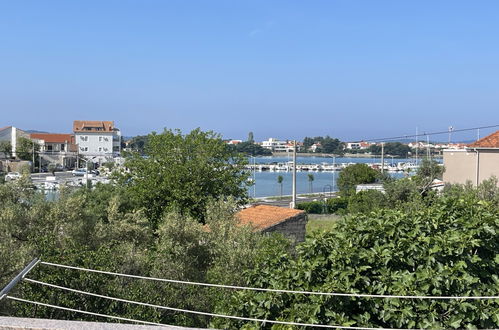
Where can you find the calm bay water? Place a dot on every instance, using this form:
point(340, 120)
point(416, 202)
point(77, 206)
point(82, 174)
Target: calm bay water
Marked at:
point(266, 182)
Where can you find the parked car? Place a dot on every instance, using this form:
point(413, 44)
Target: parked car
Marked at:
point(79, 172)
point(12, 176)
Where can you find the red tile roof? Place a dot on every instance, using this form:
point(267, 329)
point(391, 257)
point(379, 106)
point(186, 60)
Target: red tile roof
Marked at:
point(265, 216)
point(491, 141)
point(92, 126)
point(53, 137)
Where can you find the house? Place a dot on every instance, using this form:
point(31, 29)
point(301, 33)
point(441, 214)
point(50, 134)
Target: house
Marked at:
point(315, 146)
point(56, 148)
point(362, 145)
point(476, 162)
point(275, 145)
point(268, 219)
point(97, 139)
point(11, 134)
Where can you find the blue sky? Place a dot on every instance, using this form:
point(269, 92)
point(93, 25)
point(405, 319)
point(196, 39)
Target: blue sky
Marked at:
point(286, 69)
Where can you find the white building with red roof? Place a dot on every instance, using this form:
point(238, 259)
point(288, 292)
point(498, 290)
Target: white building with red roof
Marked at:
point(100, 140)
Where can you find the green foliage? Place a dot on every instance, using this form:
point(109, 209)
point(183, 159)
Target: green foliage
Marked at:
point(328, 144)
point(356, 174)
point(332, 205)
point(250, 137)
point(6, 149)
point(184, 172)
point(25, 149)
point(428, 171)
point(75, 230)
point(138, 143)
point(251, 149)
point(448, 248)
point(337, 205)
point(51, 168)
point(280, 179)
point(366, 201)
point(314, 207)
point(310, 177)
point(391, 148)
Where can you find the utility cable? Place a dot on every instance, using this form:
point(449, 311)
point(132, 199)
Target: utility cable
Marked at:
point(81, 311)
point(274, 290)
point(427, 134)
point(197, 312)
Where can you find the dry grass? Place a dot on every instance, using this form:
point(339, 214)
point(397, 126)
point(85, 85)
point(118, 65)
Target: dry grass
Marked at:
point(321, 222)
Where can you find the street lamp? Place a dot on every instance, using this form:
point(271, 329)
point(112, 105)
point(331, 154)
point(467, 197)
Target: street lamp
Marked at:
point(86, 168)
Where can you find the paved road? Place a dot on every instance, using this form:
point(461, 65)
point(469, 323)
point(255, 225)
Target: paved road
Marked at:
point(287, 201)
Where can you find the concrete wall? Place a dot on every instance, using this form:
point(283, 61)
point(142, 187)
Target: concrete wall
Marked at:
point(293, 228)
point(462, 165)
point(13, 165)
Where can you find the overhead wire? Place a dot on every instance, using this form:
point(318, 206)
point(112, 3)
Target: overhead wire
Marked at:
point(198, 312)
point(81, 311)
point(427, 134)
point(274, 290)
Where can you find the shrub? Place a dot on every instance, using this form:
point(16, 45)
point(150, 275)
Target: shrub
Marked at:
point(314, 207)
point(446, 249)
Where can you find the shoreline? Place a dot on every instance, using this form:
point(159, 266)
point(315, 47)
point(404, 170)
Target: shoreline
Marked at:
point(322, 155)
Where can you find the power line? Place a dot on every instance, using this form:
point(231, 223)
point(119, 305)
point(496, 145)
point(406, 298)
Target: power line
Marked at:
point(427, 134)
point(83, 312)
point(274, 290)
point(197, 312)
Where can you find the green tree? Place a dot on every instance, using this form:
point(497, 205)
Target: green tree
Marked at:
point(252, 149)
point(310, 177)
point(138, 143)
point(356, 174)
point(448, 248)
point(184, 172)
point(279, 181)
point(427, 172)
point(26, 148)
point(391, 148)
point(6, 149)
point(308, 142)
point(52, 168)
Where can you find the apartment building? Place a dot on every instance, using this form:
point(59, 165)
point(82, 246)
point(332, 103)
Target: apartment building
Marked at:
point(275, 145)
point(11, 134)
point(100, 140)
point(56, 148)
point(475, 163)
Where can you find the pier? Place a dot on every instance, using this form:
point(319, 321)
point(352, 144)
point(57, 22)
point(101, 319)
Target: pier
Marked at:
point(328, 167)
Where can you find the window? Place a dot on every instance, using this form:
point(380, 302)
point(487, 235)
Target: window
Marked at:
point(62, 147)
point(84, 148)
point(84, 138)
point(49, 147)
point(100, 149)
point(100, 138)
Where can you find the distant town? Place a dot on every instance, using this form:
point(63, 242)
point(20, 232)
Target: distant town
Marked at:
point(94, 143)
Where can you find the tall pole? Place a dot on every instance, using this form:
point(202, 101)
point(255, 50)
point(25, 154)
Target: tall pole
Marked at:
point(334, 173)
point(293, 203)
point(254, 177)
point(428, 146)
point(417, 145)
point(382, 157)
point(33, 166)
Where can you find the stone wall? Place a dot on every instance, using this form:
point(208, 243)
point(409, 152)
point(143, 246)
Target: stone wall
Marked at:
point(292, 228)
